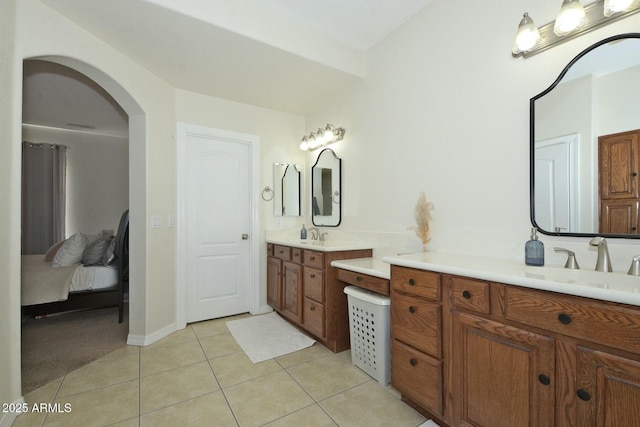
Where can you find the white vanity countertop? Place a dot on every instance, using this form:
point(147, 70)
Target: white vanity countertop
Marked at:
point(615, 287)
point(370, 266)
point(326, 246)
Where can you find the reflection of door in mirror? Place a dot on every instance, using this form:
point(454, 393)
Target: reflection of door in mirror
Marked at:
point(291, 191)
point(326, 196)
point(618, 162)
point(286, 186)
point(556, 183)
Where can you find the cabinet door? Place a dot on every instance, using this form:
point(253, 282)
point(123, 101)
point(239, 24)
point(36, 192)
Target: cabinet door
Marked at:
point(619, 216)
point(618, 166)
point(292, 291)
point(607, 390)
point(274, 282)
point(503, 376)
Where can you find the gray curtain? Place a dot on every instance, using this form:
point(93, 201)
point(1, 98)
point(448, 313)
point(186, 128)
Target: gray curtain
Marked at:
point(43, 196)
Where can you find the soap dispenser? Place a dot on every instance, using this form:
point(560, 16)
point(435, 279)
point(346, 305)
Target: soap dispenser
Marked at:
point(303, 233)
point(534, 250)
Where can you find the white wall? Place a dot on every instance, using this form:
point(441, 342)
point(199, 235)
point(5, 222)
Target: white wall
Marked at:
point(445, 109)
point(97, 177)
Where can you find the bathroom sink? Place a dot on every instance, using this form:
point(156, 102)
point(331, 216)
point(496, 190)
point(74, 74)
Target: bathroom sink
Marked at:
point(597, 279)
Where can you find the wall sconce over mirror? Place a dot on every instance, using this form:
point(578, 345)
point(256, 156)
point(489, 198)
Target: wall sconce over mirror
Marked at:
point(322, 137)
point(572, 21)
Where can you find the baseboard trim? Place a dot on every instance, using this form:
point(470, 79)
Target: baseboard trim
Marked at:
point(264, 309)
point(145, 340)
point(8, 418)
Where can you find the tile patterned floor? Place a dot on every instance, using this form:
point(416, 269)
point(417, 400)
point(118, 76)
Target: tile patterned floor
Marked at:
point(199, 376)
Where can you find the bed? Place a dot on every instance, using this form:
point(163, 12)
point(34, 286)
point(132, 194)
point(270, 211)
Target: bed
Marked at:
point(48, 290)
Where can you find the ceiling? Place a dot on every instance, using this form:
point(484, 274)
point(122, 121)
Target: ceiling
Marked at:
point(286, 55)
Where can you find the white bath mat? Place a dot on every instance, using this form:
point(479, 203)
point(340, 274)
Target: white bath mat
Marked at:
point(267, 336)
point(428, 423)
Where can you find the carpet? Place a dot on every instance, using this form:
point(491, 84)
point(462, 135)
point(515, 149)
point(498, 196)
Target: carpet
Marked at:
point(56, 345)
point(267, 336)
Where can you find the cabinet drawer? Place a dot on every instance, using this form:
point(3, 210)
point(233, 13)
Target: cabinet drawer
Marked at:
point(600, 322)
point(417, 282)
point(314, 259)
point(314, 317)
point(314, 284)
point(296, 255)
point(470, 294)
point(269, 249)
point(417, 376)
point(374, 284)
point(282, 252)
point(417, 323)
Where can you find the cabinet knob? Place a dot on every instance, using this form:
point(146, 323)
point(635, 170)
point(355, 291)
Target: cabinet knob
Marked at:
point(312, 275)
point(565, 319)
point(312, 258)
point(544, 379)
point(466, 294)
point(413, 362)
point(312, 308)
point(358, 279)
point(583, 395)
point(634, 174)
point(412, 282)
point(412, 309)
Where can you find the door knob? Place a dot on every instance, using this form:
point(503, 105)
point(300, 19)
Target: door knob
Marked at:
point(245, 236)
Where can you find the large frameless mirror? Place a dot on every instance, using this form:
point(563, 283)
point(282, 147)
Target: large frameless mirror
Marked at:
point(584, 144)
point(286, 197)
point(326, 191)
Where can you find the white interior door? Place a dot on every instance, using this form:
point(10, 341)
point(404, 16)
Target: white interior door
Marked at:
point(555, 184)
point(217, 224)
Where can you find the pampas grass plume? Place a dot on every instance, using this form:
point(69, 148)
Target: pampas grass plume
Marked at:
point(422, 215)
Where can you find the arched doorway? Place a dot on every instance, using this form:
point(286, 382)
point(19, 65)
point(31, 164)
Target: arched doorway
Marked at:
point(137, 184)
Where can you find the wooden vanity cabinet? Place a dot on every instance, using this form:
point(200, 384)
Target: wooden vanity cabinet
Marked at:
point(514, 356)
point(416, 337)
point(292, 291)
point(308, 293)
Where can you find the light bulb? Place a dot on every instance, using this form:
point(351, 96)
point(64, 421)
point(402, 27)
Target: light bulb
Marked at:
point(615, 6)
point(570, 18)
point(527, 36)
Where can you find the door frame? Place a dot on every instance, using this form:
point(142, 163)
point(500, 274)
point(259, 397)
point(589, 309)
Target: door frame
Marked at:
point(184, 130)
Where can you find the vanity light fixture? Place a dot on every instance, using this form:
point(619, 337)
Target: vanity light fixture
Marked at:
point(570, 18)
point(572, 21)
point(321, 137)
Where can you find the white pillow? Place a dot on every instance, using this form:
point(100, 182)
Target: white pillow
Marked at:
point(71, 251)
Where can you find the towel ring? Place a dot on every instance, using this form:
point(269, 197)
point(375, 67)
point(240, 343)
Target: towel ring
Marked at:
point(267, 190)
point(336, 194)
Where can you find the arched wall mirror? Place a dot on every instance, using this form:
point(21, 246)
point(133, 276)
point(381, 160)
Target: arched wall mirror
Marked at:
point(585, 144)
point(326, 189)
point(286, 197)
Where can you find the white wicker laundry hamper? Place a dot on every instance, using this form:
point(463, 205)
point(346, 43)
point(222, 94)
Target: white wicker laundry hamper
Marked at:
point(369, 326)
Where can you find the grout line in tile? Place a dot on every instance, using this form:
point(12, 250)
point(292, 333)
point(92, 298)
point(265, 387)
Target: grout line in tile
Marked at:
point(291, 413)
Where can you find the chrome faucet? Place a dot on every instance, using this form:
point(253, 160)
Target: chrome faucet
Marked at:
point(322, 239)
point(571, 263)
point(315, 232)
point(603, 263)
point(634, 270)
